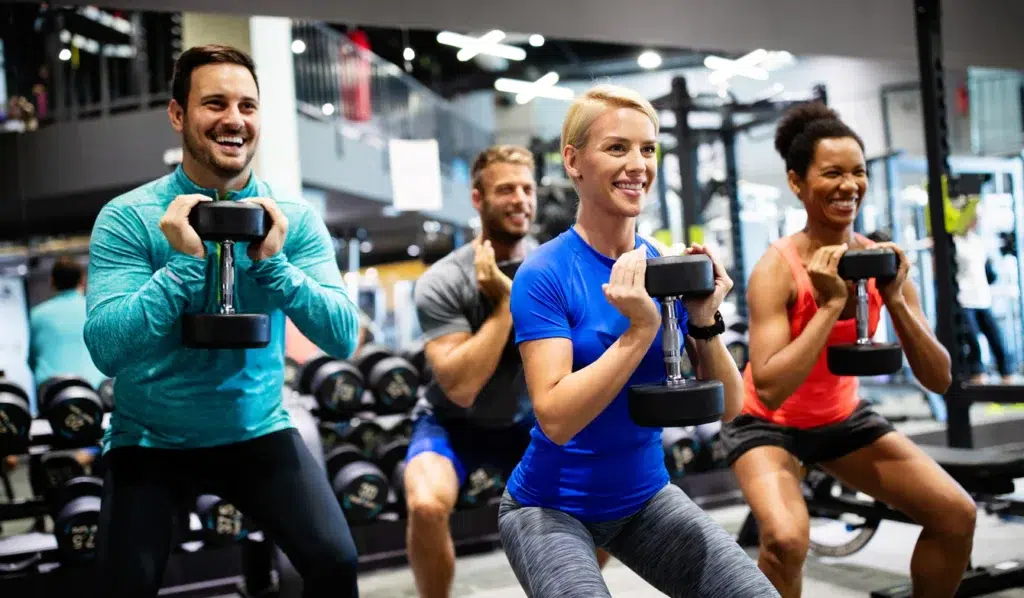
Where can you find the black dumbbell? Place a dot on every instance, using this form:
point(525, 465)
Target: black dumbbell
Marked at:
point(682, 449)
point(865, 357)
point(392, 380)
point(337, 385)
point(482, 485)
point(713, 453)
point(364, 433)
point(389, 456)
point(106, 393)
point(15, 419)
point(359, 485)
point(679, 401)
point(400, 428)
point(226, 223)
point(74, 410)
point(76, 514)
point(415, 354)
point(220, 522)
point(51, 471)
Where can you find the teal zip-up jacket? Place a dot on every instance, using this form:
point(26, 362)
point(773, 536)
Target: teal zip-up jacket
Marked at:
point(171, 396)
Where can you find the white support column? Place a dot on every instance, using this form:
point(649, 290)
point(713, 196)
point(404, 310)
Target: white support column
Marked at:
point(268, 40)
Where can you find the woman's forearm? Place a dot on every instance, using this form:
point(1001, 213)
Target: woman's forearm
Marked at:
point(928, 359)
point(581, 396)
point(714, 362)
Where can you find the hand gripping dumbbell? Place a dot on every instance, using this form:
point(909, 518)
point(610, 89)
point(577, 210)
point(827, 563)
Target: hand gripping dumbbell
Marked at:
point(865, 357)
point(226, 223)
point(679, 401)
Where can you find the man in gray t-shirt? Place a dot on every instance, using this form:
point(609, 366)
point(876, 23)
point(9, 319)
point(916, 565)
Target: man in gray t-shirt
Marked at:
point(476, 410)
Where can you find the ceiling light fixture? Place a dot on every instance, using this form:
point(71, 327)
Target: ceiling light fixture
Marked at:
point(649, 60)
point(536, 40)
point(409, 54)
point(485, 44)
point(541, 88)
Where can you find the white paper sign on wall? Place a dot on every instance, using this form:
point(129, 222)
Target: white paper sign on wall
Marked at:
point(415, 174)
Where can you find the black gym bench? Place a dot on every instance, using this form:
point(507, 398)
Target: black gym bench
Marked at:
point(987, 474)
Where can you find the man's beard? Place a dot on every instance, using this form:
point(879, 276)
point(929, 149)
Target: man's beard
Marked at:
point(205, 157)
point(493, 227)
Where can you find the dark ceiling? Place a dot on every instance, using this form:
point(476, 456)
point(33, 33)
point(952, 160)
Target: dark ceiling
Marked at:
point(436, 66)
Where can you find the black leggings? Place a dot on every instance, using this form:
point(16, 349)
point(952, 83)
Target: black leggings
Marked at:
point(273, 480)
point(981, 320)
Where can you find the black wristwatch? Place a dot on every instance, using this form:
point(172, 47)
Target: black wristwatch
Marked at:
point(704, 333)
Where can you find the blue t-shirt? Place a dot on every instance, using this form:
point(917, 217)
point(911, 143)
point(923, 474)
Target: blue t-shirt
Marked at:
point(612, 466)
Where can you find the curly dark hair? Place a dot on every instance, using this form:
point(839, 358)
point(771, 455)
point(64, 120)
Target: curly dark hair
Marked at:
point(800, 129)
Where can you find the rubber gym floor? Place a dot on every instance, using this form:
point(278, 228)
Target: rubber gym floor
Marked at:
point(884, 562)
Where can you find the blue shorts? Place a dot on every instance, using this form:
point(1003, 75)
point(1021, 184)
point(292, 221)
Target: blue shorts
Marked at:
point(469, 447)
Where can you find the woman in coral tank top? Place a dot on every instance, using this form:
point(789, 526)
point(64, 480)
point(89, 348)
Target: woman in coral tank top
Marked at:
point(795, 411)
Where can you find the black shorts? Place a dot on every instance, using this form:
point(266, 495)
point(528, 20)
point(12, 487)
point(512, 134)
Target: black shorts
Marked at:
point(810, 445)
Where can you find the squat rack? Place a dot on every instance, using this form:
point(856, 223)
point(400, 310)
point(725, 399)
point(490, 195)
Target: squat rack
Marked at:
point(950, 327)
point(736, 117)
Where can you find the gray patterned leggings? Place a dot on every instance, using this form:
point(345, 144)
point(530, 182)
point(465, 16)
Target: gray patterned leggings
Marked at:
point(670, 542)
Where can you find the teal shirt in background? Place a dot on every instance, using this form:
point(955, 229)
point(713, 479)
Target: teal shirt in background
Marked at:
point(56, 344)
point(171, 396)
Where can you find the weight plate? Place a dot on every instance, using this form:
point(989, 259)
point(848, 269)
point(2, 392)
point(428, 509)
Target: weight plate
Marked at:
point(230, 221)
point(15, 420)
point(861, 264)
point(868, 359)
point(682, 447)
point(679, 276)
point(362, 490)
point(75, 529)
point(221, 522)
point(481, 486)
point(393, 382)
point(338, 388)
point(688, 403)
point(225, 331)
point(75, 414)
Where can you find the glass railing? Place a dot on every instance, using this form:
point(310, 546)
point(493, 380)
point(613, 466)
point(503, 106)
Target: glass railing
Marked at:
point(338, 81)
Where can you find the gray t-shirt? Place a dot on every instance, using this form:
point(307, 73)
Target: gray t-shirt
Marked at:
point(449, 301)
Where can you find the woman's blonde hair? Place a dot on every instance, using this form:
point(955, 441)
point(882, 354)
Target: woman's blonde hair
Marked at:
point(592, 104)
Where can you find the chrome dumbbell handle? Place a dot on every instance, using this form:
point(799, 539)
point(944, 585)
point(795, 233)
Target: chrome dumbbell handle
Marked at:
point(862, 313)
point(226, 278)
point(670, 340)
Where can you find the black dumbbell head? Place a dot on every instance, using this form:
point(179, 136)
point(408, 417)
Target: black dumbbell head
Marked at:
point(76, 518)
point(389, 455)
point(15, 418)
point(368, 356)
point(338, 387)
point(689, 403)
point(394, 382)
point(679, 276)
point(74, 410)
point(862, 264)
point(55, 471)
point(482, 485)
point(221, 522)
point(230, 221)
point(865, 359)
point(307, 371)
point(225, 331)
point(359, 485)
point(681, 446)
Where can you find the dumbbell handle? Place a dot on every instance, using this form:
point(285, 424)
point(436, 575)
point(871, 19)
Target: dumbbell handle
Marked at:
point(862, 312)
point(670, 340)
point(227, 277)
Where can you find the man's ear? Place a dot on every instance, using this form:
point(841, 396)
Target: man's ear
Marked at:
point(176, 114)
